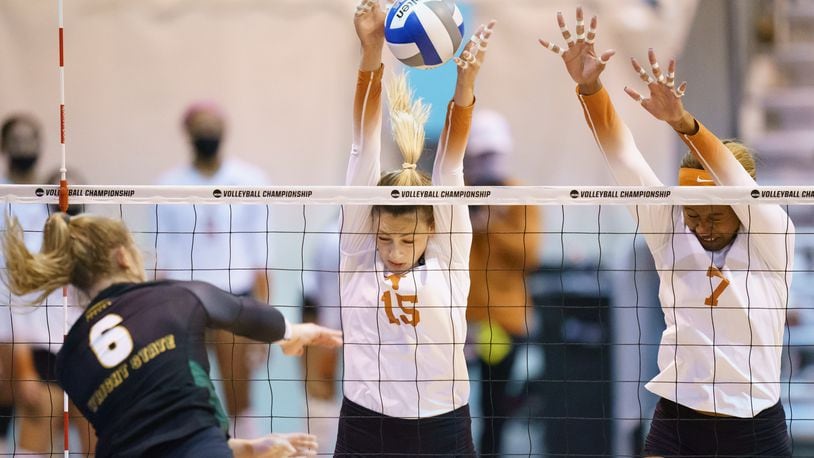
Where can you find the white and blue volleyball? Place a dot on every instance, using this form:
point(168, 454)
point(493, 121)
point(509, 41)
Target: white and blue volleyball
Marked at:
point(424, 33)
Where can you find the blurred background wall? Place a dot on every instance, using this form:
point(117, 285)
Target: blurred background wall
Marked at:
point(284, 72)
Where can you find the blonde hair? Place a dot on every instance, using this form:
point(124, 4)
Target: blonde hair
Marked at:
point(75, 251)
point(743, 154)
point(407, 119)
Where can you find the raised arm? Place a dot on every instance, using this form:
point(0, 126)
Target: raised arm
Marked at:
point(611, 134)
point(250, 318)
point(448, 168)
point(364, 164)
point(769, 225)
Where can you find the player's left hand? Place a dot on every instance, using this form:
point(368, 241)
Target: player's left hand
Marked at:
point(664, 101)
point(310, 334)
point(469, 64)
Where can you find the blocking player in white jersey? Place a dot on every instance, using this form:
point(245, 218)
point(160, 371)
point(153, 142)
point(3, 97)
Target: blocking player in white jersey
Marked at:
point(404, 276)
point(724, 273)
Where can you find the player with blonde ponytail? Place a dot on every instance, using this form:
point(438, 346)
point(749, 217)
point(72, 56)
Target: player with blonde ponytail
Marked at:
point(404, 270)
point(135, 362)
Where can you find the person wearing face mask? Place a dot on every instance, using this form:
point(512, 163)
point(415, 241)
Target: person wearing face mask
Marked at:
point(724, 271)
point(224, 245)
point(21, 146)
point(29, 338)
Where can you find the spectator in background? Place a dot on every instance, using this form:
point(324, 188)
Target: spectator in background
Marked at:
point(31, 337)
point(321, 306)
point(505, 249)
point(224, 245)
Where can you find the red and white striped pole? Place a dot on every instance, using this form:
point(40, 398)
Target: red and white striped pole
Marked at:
point(63, 207)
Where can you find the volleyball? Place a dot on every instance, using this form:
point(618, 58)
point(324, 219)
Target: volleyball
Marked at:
point(424, 33)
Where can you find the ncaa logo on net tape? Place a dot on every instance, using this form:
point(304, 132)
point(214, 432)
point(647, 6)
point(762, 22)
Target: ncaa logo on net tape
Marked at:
point(217, 194)
point(395, 194)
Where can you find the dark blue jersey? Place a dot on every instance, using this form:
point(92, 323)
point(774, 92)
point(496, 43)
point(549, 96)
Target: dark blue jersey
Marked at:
point(135, 362)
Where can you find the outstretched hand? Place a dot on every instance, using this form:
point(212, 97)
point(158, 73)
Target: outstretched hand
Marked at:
point(310, 334)
point(369, 23)
point(664, 101)
point(285, 445)
point(275, 446)
point(469, 64)
point(581, 60)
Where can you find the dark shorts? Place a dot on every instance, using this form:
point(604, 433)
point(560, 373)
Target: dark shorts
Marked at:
point(363, 432)
point(680, 431)
point(206, 443)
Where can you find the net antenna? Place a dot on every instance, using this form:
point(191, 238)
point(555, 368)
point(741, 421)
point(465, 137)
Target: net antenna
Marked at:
point(63, 207)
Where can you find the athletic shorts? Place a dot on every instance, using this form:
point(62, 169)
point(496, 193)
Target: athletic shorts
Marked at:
point(363, 432)
point(680, 431)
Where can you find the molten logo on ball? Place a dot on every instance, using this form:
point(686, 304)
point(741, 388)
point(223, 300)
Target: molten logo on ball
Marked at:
point(424, 33)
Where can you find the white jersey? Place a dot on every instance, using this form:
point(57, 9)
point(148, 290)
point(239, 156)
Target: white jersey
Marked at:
point(725, 311)
point(404, 335)
point(224, 245)
point(41, 325)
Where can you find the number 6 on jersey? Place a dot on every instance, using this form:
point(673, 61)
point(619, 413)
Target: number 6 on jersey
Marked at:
point(110, 342)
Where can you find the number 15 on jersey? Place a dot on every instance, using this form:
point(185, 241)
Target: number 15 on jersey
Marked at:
point(409, 314)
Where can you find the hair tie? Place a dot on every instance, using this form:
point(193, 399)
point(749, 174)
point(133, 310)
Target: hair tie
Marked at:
point(407, 165)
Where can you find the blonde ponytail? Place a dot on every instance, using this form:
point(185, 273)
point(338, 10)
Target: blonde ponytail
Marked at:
point(75, 251)
point(407, 118)
point(45, 271)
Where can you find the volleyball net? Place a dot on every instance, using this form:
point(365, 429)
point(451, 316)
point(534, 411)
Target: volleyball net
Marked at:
point(569, 381)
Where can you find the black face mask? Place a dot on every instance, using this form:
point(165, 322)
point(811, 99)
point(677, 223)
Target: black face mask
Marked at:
point(206, 148)
point(22, 164)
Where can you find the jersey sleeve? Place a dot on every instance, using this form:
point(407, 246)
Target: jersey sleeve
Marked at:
point(364, 165)
point(627, 164)
point(452, 224)
point(241, 315)
point(768, 226)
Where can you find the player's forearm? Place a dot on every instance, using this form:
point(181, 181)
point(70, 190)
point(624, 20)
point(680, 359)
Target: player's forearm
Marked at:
point(615, 141)
point(367, 103)
point(452, 145)
point(686, 124)
point(590, 88)
point(371, 58)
